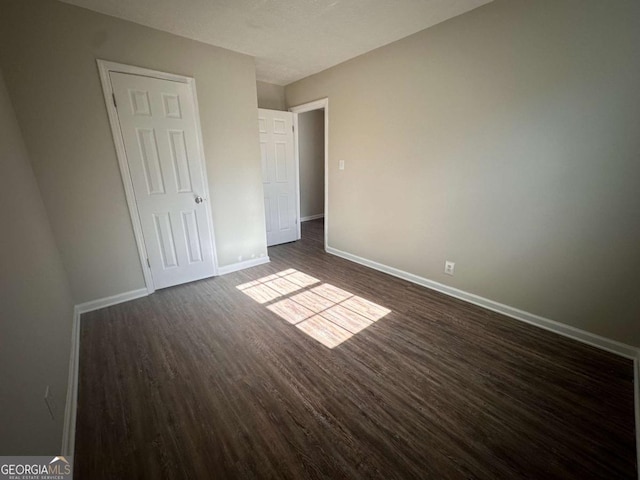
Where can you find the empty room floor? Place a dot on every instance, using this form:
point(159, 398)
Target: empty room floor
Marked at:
point(315, 367)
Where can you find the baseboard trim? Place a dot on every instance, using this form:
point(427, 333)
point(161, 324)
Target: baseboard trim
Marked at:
point(312, 217)
point(71, 405)
point(113, 300)
point(627, 351)
point(234, 267)
point(565, 330)
point(583, 336)
point(636, 383)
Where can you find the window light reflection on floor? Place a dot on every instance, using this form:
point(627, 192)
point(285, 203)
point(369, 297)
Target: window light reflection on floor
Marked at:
point(326, 313)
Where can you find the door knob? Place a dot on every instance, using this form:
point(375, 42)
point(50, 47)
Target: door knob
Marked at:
point(199, 199)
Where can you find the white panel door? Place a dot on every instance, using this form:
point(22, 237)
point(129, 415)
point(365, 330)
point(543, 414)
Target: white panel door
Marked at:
point(158, 123)
point(278, 175)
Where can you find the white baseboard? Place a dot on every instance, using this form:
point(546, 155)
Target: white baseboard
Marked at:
point(312, 217)
point(575, 333)
point(234, 267)
point(583, 336)
point(68, 438)
point(71, 405)
point(113, 300)
point(636, 384)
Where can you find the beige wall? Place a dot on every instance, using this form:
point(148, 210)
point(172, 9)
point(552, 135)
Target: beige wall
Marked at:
point(48, 51)
point(506, 140)
point(311, 150)
point(270, 96)
point(36, 309)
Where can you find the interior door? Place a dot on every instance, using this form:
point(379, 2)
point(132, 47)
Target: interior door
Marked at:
point(278, 175)
point(158, 123)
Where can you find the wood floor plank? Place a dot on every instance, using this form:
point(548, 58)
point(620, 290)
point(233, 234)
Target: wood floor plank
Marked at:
point(204, 381)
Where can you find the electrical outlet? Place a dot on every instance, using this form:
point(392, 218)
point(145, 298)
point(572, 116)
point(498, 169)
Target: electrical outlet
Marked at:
point(51, 404)
point(341, 164)
point(449, 267)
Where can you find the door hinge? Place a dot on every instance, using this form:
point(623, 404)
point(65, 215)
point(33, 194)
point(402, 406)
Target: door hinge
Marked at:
point(293, 128)
point(148, 263)
point(115, 104)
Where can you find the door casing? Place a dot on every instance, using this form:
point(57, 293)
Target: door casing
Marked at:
point(104, 68)
point(322, 104)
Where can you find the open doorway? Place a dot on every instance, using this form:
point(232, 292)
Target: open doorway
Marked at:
point(311, 143)
point(311, 164)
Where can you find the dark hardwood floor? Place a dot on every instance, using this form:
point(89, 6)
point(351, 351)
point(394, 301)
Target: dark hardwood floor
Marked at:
point(201, 381)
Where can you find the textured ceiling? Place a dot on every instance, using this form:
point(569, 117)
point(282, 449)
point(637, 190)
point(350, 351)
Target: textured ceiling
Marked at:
point(290, 39)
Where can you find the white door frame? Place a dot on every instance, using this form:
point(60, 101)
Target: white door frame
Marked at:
point(322, 104)
point(104, 68)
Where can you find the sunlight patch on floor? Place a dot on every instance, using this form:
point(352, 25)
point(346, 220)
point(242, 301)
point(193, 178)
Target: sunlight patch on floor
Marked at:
point(269, 288)
point(326, 313)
